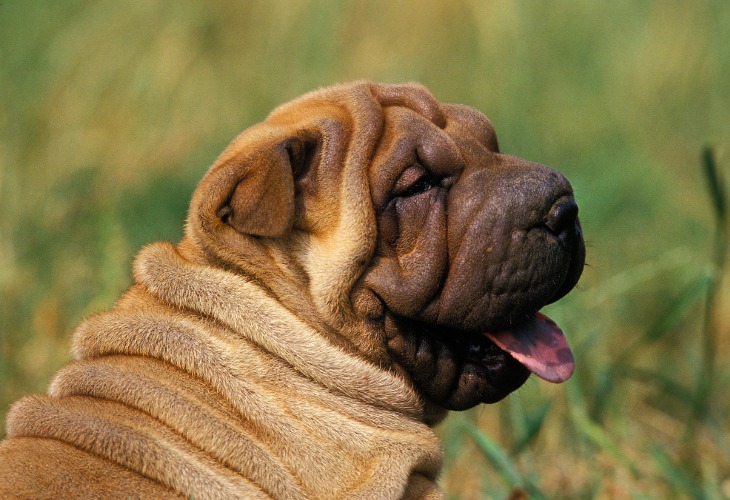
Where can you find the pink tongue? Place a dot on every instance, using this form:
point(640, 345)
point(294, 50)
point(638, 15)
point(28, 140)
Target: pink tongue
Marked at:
point(540, 346)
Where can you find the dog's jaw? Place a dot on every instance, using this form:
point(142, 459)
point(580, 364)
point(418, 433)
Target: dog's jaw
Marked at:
point(454, 369)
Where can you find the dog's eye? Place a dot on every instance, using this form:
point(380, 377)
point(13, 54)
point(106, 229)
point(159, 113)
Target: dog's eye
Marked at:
point(421, 185)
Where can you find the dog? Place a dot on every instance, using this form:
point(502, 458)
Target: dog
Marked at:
point(352, 268)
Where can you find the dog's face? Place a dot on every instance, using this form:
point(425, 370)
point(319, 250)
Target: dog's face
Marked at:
point(396, 222)
point(470, 241)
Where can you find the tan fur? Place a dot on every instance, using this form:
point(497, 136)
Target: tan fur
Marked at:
point(197, 405)
point(240, 364)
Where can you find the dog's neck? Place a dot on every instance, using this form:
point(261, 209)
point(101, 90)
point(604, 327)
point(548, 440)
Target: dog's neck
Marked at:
point(274, 273)
point(264, 380)
point(246, 308)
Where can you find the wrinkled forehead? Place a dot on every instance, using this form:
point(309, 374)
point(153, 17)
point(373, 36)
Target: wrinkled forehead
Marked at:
point(365, 106)
point(410, 139)
point(466, 120)
point(460, 124)
point(366, 99)
point(443, 145)
point(380, 129)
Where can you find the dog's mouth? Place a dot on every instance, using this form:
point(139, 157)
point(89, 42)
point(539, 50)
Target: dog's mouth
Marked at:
point(457, 369)
point(540, 346)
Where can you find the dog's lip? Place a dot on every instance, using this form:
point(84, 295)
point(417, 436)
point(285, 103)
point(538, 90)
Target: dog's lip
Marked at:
point(539, 345)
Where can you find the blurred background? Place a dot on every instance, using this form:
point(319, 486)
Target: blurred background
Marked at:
point(111, 111)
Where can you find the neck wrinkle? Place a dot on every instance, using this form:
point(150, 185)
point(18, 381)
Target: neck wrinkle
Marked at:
point(246, 308)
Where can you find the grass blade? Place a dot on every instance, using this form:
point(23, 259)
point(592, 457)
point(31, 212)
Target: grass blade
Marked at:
point(452, 442)
point(532, 425)
point(600, 438)
point(606, 380)
point(679, 308)
point(499, 458)
point(715, 184)
point(676, 475)
point(705, 376)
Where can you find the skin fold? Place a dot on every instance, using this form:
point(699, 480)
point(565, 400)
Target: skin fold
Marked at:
point(327, 305)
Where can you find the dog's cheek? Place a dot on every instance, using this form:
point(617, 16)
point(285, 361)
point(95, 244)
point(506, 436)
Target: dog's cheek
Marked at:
point(421, 249)
point(388, 231)
point(410, 260)
point(421, 222)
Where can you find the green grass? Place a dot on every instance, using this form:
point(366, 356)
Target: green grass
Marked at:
point(110, 111)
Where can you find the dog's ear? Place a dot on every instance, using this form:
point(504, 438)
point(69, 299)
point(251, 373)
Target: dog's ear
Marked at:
point(261, 202)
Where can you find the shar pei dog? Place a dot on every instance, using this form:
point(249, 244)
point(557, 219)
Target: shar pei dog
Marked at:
point(353, 267)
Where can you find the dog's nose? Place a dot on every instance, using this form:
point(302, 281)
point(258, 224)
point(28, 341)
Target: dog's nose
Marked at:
point(562, 216)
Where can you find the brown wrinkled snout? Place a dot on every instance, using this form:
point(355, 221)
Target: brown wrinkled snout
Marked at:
point(514, 244)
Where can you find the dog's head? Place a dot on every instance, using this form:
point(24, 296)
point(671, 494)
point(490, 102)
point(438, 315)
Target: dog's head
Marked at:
point(394, 224)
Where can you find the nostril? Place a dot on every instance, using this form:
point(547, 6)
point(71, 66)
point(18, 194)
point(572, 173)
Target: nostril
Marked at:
point(562, 216)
